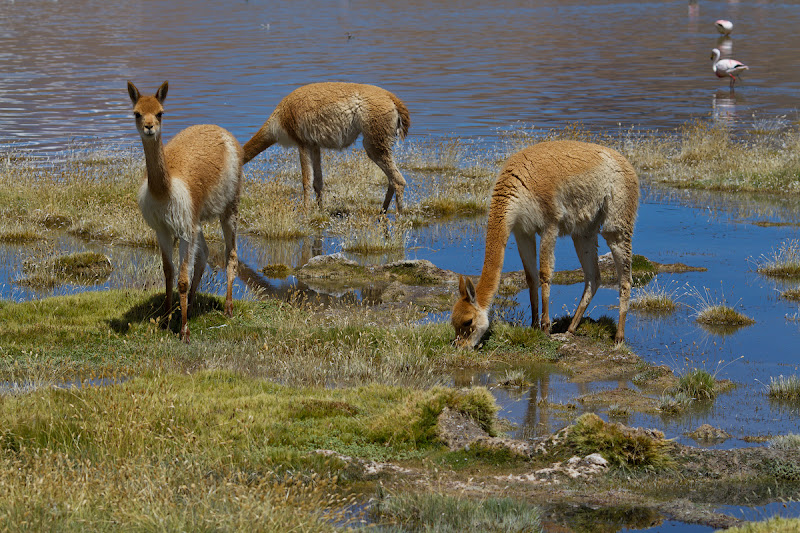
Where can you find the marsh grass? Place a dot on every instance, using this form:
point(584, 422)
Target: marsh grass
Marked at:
point(697, 384)
point(784, 388)
point(655, 299)
point(713, 310)
point(784, 262)
point(791, 294)
point(81, 267)
point(622, 447)
point(789, 441)
point(444, 513)
point(372, 234)
point(770, 525)
point(213, 449)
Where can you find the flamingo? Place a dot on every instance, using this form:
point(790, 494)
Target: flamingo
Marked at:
point(725, 27)
point(727, 67)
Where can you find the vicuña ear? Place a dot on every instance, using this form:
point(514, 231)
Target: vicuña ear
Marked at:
point(161, 93)
point(133, 92)
point(466, 288)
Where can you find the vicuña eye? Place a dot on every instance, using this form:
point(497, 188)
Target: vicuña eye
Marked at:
point(468, 323)
point(137, 114)
point(158, 115)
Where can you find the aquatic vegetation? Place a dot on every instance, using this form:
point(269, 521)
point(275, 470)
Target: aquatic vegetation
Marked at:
point(785, 388)
point(791, 294)
point(655, 299)
point(672, 404)
point(697, 384)
point(413, 511)
point(713, 310)
point(790, 441)
point(372, 234)
point(784, 262)
point(513, 378)
point(81, 267)
point(279, 271)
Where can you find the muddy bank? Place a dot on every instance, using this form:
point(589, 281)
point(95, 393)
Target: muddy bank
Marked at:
point(584, 489)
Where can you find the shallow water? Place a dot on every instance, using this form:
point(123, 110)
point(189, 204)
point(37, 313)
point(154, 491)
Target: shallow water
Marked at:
point(468, 68)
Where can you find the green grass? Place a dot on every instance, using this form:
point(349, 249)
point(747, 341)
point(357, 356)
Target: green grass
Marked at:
point(697, 384)
point(776, 524)
point(444, 513)
point(209, 450)
point(624, 448)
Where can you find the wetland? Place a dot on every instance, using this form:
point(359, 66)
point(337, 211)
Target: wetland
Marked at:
point(333, 398)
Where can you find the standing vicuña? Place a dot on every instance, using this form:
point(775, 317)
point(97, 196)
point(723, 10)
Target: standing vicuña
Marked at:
point(332, 115)
point(553, 189)
point(197, 176)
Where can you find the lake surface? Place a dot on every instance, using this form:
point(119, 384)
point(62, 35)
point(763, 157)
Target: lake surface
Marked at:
point(467, 68)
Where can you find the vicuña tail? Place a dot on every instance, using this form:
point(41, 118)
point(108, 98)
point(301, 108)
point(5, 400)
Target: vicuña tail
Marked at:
point(262, 140)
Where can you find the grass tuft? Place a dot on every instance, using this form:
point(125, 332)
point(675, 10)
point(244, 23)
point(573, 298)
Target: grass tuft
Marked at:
point(623, 447)
point(655, 299)
point(783, 263)
point(786, 388)
point(450, 514)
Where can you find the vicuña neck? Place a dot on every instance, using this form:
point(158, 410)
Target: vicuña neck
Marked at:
point(497, 233)
point(157, 173)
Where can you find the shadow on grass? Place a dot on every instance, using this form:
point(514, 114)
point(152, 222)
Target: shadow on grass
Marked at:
point(603, 328)
point(150, 309)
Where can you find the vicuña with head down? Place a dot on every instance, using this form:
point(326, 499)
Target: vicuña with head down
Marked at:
point(196, 177)
point(332, 115)
point(553, 189)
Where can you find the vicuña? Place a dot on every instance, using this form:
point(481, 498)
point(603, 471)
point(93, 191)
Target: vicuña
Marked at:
point(197, 176)
point(553, 189)
point(332, 115)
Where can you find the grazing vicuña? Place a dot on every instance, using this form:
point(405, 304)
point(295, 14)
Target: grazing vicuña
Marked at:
point(332, 115)
point(553, 189)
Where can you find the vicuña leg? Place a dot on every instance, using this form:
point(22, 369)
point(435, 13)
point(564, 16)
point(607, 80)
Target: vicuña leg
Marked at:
point(306, 170)
point(547, 252)
point(316, 160)
point(620, 245)
point(586, 248)
point(382, 157)
point(200, 261)
point(527, 252)
point(165, 243)
point(186, 251)
point(228, 222)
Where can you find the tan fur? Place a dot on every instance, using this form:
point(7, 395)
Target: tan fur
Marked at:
point(332, 115)
point(197, 176)
point(554, 189)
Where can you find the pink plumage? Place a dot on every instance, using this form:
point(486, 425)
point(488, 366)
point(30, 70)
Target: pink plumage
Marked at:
point(724, 68)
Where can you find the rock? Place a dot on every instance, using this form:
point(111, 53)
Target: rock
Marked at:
point(708, 434)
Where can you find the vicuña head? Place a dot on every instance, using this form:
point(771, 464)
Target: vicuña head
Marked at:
point(553, 189)
point(197, 176)
point(332, 115)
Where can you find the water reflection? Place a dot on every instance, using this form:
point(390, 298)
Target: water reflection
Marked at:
point(723, 107)
point(725, 45)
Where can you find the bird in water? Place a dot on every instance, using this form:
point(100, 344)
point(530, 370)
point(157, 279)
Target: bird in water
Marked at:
point(727, 67)
point(725, 27)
